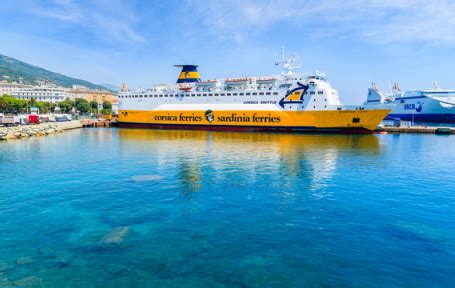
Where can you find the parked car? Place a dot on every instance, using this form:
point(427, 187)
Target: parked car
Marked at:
point(61, 118)
point(7, 120)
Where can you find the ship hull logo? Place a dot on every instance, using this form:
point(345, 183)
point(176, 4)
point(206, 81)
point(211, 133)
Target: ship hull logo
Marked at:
point(209, 116)
point(419, 107)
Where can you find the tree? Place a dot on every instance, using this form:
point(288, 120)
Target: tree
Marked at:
point(66, 106)
point(43, 107)
point(94, 105)
point(107, 108)
point(52, 107)
point(82, 105)
point(107, 105)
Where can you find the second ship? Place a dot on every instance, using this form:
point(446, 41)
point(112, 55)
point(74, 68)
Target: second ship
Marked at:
point(288, 102)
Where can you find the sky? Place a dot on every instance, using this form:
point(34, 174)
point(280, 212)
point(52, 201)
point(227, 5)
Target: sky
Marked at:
point(356, 42)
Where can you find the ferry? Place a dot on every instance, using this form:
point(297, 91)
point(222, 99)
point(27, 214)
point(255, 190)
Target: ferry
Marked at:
point(288, 102)
point(428, 105)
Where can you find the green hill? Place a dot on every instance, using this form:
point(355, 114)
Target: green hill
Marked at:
point(13, 70)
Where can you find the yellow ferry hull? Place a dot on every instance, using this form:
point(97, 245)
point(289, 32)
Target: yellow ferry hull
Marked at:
point(332, 120)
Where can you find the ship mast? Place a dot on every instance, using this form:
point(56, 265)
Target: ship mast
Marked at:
point(287, 65)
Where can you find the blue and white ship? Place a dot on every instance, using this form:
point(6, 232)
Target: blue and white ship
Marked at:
point(429, 105)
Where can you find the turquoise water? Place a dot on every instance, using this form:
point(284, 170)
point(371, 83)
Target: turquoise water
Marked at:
point(141, 208)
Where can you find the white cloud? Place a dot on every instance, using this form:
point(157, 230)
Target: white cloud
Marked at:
point(112, 20)
point(383, 21)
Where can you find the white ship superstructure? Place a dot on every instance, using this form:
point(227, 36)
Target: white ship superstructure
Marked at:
point(428, 105)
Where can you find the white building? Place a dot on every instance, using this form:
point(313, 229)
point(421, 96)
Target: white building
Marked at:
point(7, 88)
point(42, 93)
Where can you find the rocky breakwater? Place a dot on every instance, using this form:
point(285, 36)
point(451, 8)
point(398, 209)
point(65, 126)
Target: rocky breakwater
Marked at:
point(23, 131)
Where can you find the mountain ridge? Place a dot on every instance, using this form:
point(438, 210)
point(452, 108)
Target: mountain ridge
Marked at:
point(14, 70)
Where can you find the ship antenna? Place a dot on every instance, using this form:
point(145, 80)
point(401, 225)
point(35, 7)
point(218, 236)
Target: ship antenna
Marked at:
point(288, 65)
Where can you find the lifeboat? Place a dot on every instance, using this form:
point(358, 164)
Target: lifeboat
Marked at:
point(185, 87)
point(237, 81)
point(266, 81)
point(208, 83)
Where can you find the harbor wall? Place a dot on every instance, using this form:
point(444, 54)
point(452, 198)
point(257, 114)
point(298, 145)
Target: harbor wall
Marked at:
point(25, 131)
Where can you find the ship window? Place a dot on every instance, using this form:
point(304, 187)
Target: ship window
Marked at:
point(192, 95)
point(275, 93)
point(161, 95)
point(248, 94)
point(165, 95)
point(268, 93)
point(401, 101)
point(171, 95)
point(216, 94)
point(261, 93)
point(241, 94)
point(312, 93)
point(234, 94)
point(205, 95)
point(254, 93)
point(210, 94)
point(355, 120)
point(320, 92)
point(198, 94)
point(339, 109)
point(228, 94)
point(222, 94)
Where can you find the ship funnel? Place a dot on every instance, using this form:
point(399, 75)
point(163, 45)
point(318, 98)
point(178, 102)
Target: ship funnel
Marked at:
point(189, 74)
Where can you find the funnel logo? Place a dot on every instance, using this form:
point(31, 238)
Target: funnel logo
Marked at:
point(187, 75)
point(209, 116)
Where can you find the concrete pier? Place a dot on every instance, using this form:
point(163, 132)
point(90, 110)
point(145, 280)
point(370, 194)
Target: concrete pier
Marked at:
point(416, 129)
point(69, 125)
point(95, 123)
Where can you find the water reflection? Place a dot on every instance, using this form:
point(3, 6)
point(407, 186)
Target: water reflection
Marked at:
point(206, 156)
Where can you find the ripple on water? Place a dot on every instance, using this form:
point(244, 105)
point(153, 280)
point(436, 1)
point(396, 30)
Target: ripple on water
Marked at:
point(209, 209)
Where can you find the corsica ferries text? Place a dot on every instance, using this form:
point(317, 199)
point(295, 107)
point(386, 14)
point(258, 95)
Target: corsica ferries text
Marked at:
point(210, 117)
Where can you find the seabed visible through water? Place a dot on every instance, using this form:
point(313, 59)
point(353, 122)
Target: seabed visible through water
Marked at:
point(147, 208)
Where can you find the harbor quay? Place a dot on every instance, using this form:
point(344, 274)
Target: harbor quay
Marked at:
point(24, 131)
